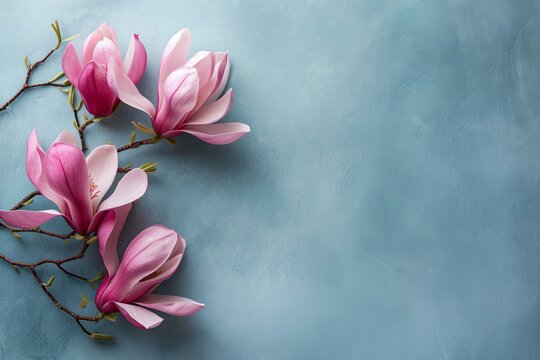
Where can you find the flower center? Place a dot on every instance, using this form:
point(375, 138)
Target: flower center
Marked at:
point(94, 190)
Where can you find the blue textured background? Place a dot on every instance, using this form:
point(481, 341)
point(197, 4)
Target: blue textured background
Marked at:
point(385, 205)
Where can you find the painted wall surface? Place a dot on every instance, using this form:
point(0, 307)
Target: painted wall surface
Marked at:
point(385, 205)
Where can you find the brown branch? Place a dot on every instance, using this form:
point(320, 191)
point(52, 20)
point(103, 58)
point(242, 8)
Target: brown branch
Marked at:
point(136, 144)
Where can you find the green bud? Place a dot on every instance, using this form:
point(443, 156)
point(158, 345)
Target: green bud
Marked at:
point(71, 37)
point(57, 77)
point(98, 277)
point(50, 281)
point(110, 317)
point(26, 62)
point(143, 128)
point(71, 96)
point(84, 301)
point(132, 138)
point(56, 29)
point(28, 202)
point(16, 268)
point(66, 83)
point(91, 240)
point(100, 336)
point(79, 105)
point(17, 235)
point(171, 141)
point(78, 237)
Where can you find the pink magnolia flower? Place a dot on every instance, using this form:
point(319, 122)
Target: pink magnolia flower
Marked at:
point(152, 257)
point(75, 184)
point(100, 50)
point(188, 93)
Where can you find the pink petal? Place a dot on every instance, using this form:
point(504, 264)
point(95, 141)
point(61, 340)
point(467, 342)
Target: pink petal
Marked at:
point(123, 87)
point(34, 168)
point(173, 56)
point(108, 233)
point(135, 60)
point(34, 159)
point(180, 96)
point(95, 91)
point(102, 166)
point(144, 256)
point(166, 270)
point(105, 52)
point(222, 74)
point(66, 137)
point(204, 62)
point(214, 111)
point(138, 316)
point(27, 219)
point(67, 175)
point(130, 188)
point(71, 64)
point(174, 305)
point(218, 134)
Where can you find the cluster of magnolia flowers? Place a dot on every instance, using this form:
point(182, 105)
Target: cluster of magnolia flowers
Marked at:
point(191, 99)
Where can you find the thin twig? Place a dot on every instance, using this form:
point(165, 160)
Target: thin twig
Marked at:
point(26, 199)
point(37, 230)
point(26, 85)
point(32, 267)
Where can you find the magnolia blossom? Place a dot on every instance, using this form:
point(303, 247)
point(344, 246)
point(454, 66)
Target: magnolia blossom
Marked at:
point(152, 257)
point(100, 50)
point(188, 93)
point(75, 184)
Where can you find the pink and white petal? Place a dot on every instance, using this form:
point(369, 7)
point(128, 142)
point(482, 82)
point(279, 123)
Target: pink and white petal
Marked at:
point(174, 56)
point(71, 64)
point(90, 44)
point(139, 316)
point(27, 219)
point(173, 305)
point(214, 111)
point(108, 233)
point(222, 74)
point(66, 137)
point(218, 134)
point(130, 188)
point(105, 52)
point(67, 175)
point(166, 270)
point(108, 32)
point(98, 97)
point(135, 60)
point(102, 166)
point(34, 159)
point(124, 88)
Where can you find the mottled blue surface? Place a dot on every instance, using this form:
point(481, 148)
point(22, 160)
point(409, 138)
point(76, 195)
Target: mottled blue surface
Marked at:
point(385, 205)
